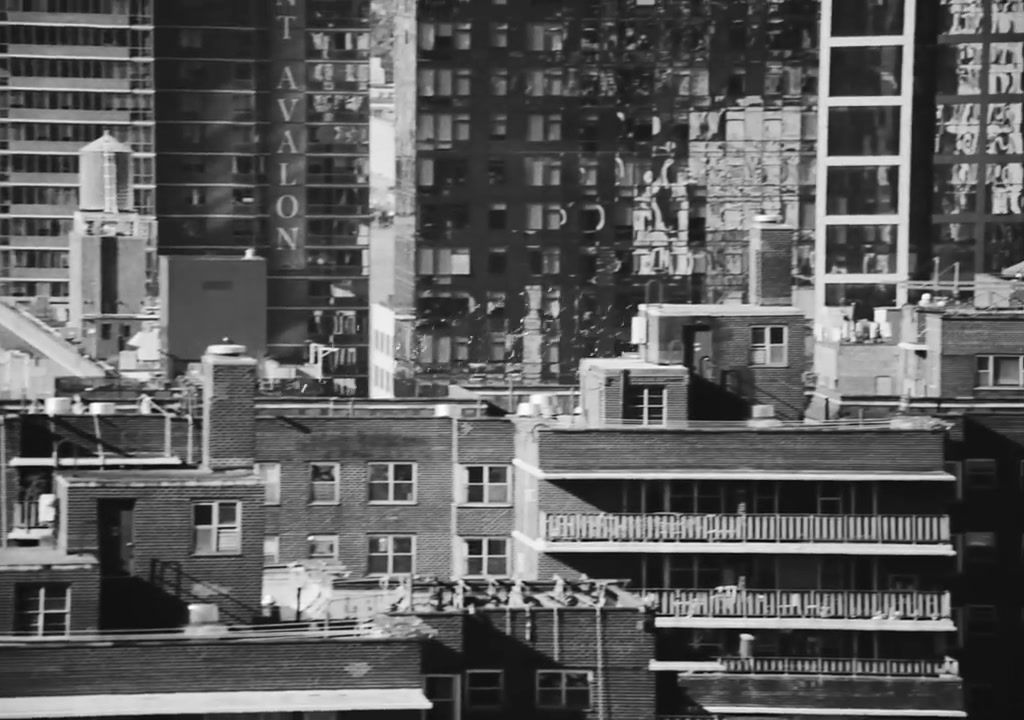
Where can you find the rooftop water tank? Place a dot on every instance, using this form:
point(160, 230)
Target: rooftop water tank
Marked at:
point(105, 176)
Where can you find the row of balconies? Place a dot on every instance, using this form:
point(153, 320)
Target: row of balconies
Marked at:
point(744, 528)
point(742, 603)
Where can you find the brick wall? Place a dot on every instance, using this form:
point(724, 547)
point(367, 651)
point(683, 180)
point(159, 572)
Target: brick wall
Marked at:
point(163, 531)
point(789, 449)
point(353, 443)
point(963, 339)
point(612, 647)
point(208, 666)
point(229, 386)
point(85, 592)
point(850, 694)
point(781, 387)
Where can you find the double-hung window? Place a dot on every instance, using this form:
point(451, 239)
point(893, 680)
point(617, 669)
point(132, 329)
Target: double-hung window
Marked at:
point(486, 557)
point(1000, 371)
point(324, 483)
point(42, 608)
point(769, 345)
point(485, 689)
point(487, 485)
point(392, 482)
point(564, 689)
point(270, 474)
point(390, 555)
point(217, 527)
point(645, 404)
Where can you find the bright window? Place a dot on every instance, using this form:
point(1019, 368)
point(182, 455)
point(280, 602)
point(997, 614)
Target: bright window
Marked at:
point(390, 555)
point(487, 485)
point(485, 689)
point(42, 608)
point(218, 527)
point(1000, 371)
point(324, 483)
point(769, 345)
point(392, 482)
point(270, 474)
point(486, 557)
point(564, 689)
point(271, 549)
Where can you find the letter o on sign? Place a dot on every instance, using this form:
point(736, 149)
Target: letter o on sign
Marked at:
point(287, 206)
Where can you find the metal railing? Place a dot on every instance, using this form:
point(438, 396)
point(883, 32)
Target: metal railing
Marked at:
point(838, 666)
point(744, 528)
point(732, 602)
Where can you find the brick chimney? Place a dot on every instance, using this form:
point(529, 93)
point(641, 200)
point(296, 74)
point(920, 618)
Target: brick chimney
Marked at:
point(229, 389)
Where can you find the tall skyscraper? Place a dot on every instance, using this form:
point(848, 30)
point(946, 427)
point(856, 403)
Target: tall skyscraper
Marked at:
point(70, 70)
point(264, 141)
point(576, 158)
point(921, 158)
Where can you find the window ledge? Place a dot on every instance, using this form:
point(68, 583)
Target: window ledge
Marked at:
point(217, 554)
point(485, 505)
point(1002, 388)
point(325, 503)
point(392, 502)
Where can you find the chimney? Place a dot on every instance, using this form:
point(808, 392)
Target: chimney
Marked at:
point(229, 423)
point(771, 262)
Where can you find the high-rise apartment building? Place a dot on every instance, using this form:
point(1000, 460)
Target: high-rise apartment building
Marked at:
point(921, 158)
point(70, 70)
point(264, 141)
point(576, 158)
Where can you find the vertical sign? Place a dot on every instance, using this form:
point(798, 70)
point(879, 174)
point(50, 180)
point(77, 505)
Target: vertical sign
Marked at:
point(286, 169)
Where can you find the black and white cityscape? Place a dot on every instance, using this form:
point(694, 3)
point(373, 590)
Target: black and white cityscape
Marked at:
point(512, 359)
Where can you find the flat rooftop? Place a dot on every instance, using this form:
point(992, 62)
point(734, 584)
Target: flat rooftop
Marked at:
point(680, 310)
point(17, 558)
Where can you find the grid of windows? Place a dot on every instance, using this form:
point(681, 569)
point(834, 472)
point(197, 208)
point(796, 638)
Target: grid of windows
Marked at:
point(488, 485)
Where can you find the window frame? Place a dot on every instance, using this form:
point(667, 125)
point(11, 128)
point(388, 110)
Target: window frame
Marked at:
point(500, 687)
point(274, 540)
point(768, 344)
point(646, 406)
point(391, 465)
point(270, 474)
point(215, 527)
point(456, 696)
point(312, 540)
point(990, 471)
point(485, 556)
point(989, 373)
point(40, 612)
point(335, 468)
point(486, 484)
point(390, 555)
point(563, 705)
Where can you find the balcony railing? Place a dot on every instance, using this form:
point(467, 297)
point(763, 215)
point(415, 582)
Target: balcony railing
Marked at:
point(839, 666)
point(677, 527)
point(837, 604)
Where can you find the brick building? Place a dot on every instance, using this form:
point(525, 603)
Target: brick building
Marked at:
point(753, 549)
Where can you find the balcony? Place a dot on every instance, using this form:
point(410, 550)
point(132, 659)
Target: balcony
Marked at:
point(741, 608)
point(838, 666)
point(746, 533)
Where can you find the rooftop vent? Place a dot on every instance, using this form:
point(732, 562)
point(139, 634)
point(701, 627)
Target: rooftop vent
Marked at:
point(226, 348)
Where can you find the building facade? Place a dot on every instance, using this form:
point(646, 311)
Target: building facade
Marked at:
point(73, 70)
point(576, 159)
point(264, 143)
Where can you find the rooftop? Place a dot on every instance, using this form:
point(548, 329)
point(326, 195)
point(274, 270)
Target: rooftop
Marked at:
point(19, 558)
point(673, 310)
